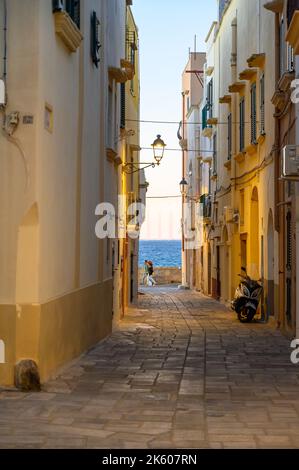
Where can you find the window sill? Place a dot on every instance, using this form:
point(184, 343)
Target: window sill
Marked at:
point(279, 99)
point(207, 132)
point(212, 121)
point(251, 148)
point(261, 138)
point(285, 81)
point(207, 160)
point(228, 164)
point(67, 30)
point(240, 157)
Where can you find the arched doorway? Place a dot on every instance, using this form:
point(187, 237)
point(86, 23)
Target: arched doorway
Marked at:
point(209, 270)
point(254, 260)
point(27, 258)
point(270, 266)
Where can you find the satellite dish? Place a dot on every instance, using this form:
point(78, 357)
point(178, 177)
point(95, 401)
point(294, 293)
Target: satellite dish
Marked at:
point(2, 92)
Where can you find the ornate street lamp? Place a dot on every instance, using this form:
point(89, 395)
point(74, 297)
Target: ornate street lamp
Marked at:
point(183, 187)
point(158, 148)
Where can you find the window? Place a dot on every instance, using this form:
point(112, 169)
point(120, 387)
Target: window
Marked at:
point(282, 59)
point(94, 39)
point(214, 154)
point(262, 105)
point(290, 58)
point(229, 136)
point(110, 143)
point(204, 117)
point(242, 124)
point(131, 48)
point(72, 7)
point(289, 257)
point(242, 206)
point(132, 60)
point(244, 252)
point(253, 113)
point(293, 5)
point(123, 105)
point(210, 99)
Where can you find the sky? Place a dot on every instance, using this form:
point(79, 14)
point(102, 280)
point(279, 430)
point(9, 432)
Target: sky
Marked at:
point(166, 32)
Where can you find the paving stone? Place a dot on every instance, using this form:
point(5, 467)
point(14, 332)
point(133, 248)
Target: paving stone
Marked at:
point(179, 371)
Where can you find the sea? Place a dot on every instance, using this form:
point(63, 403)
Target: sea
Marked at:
point(163, 253)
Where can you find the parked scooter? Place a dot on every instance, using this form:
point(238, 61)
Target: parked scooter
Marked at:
point(247, 298)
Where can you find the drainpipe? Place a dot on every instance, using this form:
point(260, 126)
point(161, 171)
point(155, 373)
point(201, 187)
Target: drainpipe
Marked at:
point(4, 75)
point(184, 263)
point(279, 188)
point(5, 41)
point(297, 214)
point(234, 109)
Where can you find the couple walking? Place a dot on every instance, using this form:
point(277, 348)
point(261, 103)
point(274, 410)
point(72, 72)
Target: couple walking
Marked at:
point(148, 279)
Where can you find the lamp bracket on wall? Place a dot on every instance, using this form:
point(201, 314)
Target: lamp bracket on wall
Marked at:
point(131, 168)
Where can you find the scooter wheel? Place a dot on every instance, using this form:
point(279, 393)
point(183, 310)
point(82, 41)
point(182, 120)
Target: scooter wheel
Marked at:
point(246, 315)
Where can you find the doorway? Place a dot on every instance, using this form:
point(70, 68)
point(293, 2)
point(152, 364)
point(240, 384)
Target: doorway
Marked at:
point(254, 265)
point(218, 273)
point(209, 270)
point(270, 274)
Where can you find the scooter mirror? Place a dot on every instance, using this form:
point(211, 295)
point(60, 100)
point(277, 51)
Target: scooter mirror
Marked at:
point(243, 269)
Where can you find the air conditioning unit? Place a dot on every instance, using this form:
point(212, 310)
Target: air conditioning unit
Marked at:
point(2, 93)
point(290, 162)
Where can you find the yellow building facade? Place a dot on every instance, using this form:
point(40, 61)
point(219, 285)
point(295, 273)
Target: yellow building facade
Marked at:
point(131, 182)
point(235, 164)
point(60, 156)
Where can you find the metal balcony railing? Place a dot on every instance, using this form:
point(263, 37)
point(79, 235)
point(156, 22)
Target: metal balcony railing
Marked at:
point(131, 46)
point(206, 114)
point(206, 201)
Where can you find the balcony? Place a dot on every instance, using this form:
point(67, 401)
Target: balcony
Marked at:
point(206, 201)
point(282, 92)
point(131, 48)
point(67, 30)
point(206, 128)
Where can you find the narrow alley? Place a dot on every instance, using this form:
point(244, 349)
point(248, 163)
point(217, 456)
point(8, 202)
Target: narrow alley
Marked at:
point(180, 372)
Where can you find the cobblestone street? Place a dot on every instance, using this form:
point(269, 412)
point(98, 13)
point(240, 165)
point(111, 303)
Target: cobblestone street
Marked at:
point(180, 372)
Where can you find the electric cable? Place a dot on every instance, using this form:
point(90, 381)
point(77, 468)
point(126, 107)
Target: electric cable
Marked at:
point(144, 121)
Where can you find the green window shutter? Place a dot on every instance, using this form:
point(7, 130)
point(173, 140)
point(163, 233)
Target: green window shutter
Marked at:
point(215, 154)
point(94, 39)
point(229, 136)
point(253, 113)
point(123, 106)
point(242, 124)
point(204, 117)
point(73, 9)
point(262, 104)
point(210, 98)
